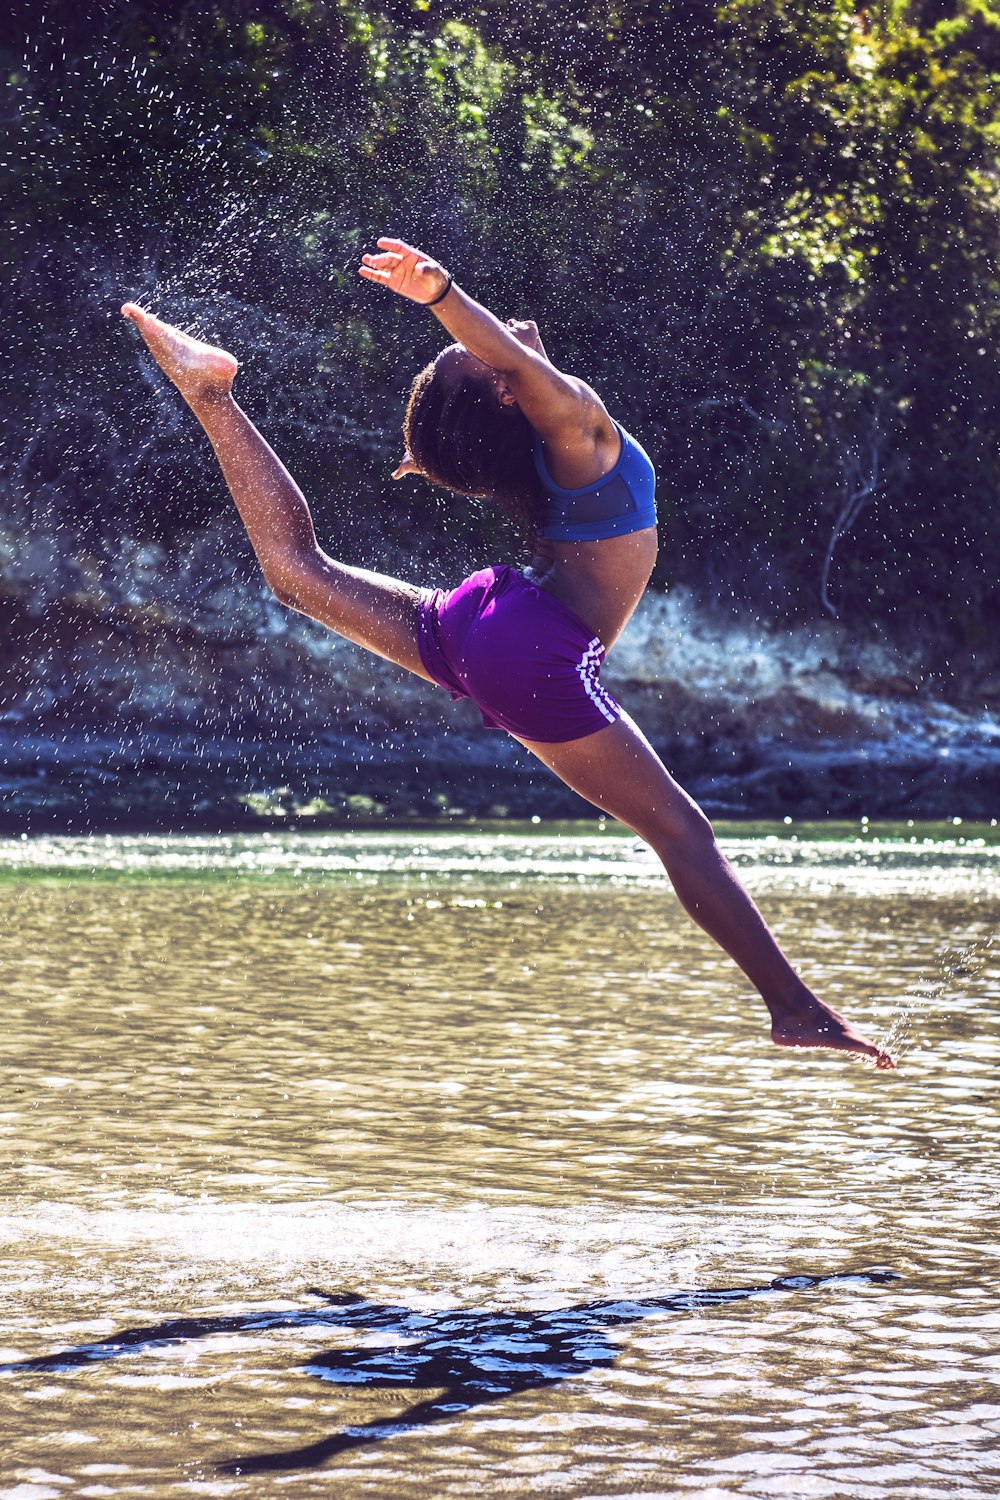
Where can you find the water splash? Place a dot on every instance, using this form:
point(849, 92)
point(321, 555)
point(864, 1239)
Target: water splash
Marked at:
point(959, 967)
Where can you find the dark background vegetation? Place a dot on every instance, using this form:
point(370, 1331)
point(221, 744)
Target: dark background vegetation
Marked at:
point(765, 230)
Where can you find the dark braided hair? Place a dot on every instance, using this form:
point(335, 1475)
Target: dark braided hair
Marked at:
point(461, 436)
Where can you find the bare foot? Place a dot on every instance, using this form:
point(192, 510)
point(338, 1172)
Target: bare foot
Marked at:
point(813, 1024)
point(199, 371)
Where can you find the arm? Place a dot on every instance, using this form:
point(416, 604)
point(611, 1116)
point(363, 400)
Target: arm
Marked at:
point(558, 406)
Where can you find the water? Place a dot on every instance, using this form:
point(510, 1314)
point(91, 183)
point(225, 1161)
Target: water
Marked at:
point(304, 1133)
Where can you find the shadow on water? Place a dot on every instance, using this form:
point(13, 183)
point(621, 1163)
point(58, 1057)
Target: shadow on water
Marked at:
point(471, 1358)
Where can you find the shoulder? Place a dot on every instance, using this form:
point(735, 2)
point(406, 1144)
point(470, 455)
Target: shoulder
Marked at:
point(586, 434)
point(593, 414)
point(581, 452)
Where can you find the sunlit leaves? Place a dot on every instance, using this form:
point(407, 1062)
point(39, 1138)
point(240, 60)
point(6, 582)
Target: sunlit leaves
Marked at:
point(749, 222)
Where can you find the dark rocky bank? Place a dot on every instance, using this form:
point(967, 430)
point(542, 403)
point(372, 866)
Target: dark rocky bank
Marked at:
point(167, 694)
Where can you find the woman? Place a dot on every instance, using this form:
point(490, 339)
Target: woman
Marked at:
point(492, 416)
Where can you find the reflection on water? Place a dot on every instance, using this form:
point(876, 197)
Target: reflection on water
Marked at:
point(496, 1087)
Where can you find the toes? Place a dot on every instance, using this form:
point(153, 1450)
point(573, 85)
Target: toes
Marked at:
point(138, 315)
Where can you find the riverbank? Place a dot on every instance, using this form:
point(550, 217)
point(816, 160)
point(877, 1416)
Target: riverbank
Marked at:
point(156, 780)
point(167, 693)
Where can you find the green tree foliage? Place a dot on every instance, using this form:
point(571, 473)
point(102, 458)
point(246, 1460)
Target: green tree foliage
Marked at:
point(874, 137)
point(765, 229)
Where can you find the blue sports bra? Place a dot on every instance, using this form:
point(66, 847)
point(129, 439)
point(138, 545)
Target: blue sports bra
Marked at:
point(622, 502)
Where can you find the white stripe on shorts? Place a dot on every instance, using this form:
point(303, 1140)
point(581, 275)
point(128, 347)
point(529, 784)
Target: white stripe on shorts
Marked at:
point(587, 672)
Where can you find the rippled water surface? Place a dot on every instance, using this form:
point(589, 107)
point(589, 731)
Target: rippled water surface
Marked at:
point(432, 1164)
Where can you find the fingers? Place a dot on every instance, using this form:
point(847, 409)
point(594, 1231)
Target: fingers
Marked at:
point(399, 247)
point(378, 267)
point(397, 251)
point(406, 466)
point(400, 267)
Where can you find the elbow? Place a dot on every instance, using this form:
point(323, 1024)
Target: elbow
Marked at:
point(283, 595)
point(285, 577)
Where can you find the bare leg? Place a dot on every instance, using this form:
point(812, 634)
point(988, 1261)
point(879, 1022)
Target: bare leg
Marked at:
point(368, 608)
point(618, 770)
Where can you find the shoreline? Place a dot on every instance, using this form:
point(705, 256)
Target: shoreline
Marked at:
point(143, 780)
point(141, 700)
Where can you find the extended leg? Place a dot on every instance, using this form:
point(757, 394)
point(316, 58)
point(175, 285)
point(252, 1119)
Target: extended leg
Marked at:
point(618, 770)
point(368, 608)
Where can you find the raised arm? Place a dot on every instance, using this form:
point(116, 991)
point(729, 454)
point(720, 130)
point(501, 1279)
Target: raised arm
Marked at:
point(560, 407)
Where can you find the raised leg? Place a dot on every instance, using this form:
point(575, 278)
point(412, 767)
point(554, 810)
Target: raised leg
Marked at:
point(377, 612)
point(618, 770)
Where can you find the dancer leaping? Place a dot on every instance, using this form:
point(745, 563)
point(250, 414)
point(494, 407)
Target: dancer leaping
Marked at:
point(492, 417)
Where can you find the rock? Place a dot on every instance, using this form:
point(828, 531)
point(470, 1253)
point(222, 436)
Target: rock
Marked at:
point(150, 691)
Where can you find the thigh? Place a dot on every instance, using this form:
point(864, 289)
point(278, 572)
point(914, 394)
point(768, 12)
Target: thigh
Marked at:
point(618, 770)
point(375, 611)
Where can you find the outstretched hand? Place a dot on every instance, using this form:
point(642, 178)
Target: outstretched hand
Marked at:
point(405, 270)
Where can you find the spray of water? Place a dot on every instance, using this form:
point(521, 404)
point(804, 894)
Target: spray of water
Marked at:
point(958, 969)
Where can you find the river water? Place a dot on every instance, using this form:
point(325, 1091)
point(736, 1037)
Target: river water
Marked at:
point(438, 1163)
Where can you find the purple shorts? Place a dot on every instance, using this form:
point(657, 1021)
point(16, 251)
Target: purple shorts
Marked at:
point(529, 664)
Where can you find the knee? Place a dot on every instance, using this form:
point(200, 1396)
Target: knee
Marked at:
point(697, 826)
point(683, 828)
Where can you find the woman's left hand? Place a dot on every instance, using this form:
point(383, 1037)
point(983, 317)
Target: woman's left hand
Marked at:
point(405, 270)
point(526, 332)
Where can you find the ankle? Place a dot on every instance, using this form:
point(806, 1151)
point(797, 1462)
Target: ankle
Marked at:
point(791, 999)
point(208, 401)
